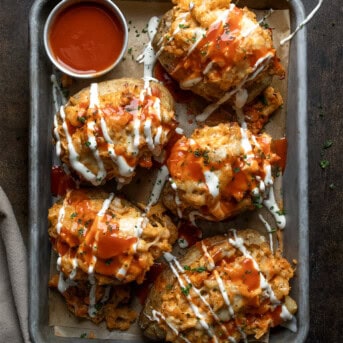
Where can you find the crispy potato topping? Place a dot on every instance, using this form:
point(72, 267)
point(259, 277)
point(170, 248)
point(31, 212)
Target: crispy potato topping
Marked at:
point(227, 287)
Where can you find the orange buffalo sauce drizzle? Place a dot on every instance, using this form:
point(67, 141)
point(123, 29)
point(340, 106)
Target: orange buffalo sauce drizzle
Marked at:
point(86, 38)
point(93, 235)
point(220, 45)
point(189, 162)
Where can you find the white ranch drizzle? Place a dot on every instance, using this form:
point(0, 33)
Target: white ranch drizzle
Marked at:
point(212, 107)
point(269, 230)
point(74, 270)
point(161, 178)
point(74, 156)
point(155, 318)
point(192, 215)
point(218, 279)
point(222, 291)
point(157, 139)
point(238, 243)
point(57, 136)
point(123, 167)
point(170, 258)
point(106, 204)
point(148, 134)
point(212, 182)
point(64, 284)
point(198, 292)
point(93, 146)
point(57, 102)
point(274, 209)
point(106, 295)
point(178, 202)
point(302, 24)
point(94, 103)
point(92, 300)
point(60, 218)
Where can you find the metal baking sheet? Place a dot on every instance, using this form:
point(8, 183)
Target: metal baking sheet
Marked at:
point(295, 184)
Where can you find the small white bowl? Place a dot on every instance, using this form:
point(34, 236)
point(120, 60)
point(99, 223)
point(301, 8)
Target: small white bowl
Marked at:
point(107, 4)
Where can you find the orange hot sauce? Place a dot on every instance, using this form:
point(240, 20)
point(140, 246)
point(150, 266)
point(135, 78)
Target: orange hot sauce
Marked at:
point(86, 38)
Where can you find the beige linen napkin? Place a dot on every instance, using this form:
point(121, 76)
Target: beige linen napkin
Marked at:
point(13, 278)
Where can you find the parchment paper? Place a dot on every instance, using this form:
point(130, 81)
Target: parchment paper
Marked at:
point(138, 14)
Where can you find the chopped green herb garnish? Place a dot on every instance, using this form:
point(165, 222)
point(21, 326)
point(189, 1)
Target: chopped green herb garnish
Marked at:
point(186, 267)
point(81, 231)
point(199, 269)
point(108, 262)
point(83, 335)
point(236, 170)
point(81, 119)
point(88, 144)
point(73, 215)
point(332, 186)
point(324, 164)
point(185, 290)
point(327, 144)
point(183, 26)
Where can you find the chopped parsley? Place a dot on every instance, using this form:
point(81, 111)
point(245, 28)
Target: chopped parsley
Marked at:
point(186, 267)
point(88, 144)
point(199, 269)
point(98, 306)
point(81, 119)
point(324, 164)
point(73, 215)
point(108, 262)
point(183, 26)
point(81, 231)
point(327, 144)
point(185, 290)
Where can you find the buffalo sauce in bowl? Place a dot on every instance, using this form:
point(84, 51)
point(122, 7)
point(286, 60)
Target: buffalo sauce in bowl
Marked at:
point(87, 38)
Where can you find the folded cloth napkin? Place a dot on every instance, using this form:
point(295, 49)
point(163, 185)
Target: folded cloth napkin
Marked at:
point(13, 278)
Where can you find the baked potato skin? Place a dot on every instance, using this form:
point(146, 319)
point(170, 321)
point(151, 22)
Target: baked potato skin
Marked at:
point(115, 98)
point(173, 49)
point(277, 268)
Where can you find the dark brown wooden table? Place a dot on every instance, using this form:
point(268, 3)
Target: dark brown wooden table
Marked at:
point(325, 122)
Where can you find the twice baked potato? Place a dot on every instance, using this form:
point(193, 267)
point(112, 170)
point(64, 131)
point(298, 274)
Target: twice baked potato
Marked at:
point(103, 242)
point(217, 50)
point(218, 172)
point(106, 130)
point(98, 233)
point(225, 289)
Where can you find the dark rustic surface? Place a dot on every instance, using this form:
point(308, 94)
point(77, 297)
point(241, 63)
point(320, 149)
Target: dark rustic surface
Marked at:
point(325, 110)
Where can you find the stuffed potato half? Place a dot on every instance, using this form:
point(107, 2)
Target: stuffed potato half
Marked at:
point(217, 50)
point(106, 130)
point(225, 289)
